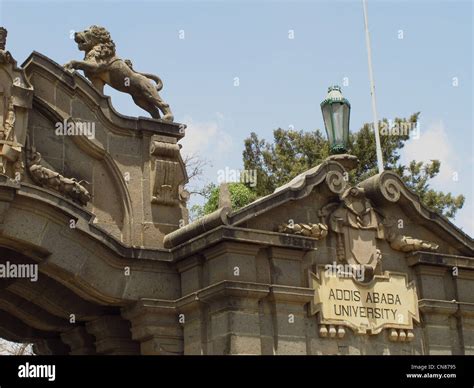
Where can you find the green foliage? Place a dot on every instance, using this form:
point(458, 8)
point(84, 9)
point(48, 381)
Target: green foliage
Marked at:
point(417, 174)
point(198, 211)
point(240, 195)
point(293, 152)
point(362, 145)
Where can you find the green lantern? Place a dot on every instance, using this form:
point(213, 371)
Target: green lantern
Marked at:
point(336, 113)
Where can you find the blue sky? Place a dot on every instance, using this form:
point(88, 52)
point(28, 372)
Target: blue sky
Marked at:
point(282, 80)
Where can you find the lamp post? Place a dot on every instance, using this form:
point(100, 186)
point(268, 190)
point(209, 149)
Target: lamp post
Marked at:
point(336, 114)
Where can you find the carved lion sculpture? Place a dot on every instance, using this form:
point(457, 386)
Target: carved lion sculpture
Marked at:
point(101, 66)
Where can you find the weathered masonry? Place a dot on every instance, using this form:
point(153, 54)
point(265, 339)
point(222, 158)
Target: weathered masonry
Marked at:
point(317, 267)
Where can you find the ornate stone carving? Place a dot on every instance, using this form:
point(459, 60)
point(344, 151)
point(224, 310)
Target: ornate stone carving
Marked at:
point(165, 188)
point(167, 173)
point(50, 179)
point(400, 335)
point(10, 151)
point(9, 123)
point(3, 38)
point(349, 162)
point(317, 231)
point(390, 189)
point(410, 244)
point(336, 182)
point(357, 225)
point(101, 66)
point(383, 187)
point(5, 56)
point(16, 96)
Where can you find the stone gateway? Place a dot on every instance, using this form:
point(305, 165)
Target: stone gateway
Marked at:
point(121, 270)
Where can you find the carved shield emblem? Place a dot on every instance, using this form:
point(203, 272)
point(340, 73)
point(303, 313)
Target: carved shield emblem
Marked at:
point(360, 246)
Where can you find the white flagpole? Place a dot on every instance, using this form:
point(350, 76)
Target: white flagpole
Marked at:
point(372, 91)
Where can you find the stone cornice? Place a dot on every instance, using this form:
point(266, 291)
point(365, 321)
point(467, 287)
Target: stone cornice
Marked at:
point(288, 294)
point(223, 289)
point(440, 259)
point(383, 189)
point(329, 171)
point(84, 221)
point(85, 224)
point(445, 307)
point(280, 253)
point(260, 238)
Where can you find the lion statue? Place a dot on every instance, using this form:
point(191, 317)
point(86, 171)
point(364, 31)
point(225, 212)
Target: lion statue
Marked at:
point(101, 66)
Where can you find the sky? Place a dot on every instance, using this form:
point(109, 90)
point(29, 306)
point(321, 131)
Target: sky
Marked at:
point(233, 67)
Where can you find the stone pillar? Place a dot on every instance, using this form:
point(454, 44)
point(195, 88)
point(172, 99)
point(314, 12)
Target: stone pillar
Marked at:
point(440, 327)
point(233, 261)
point(194, 317)
point(466, 318)
point(439, 309)
point(192, 312)
point(228, 302)
point(112, 336)
point(191, 273)
point(464, 294)
point(286, 266)
point(233, 319)
point(287, 300)
point(79, 340)
point(289, 318)
point(155, 325)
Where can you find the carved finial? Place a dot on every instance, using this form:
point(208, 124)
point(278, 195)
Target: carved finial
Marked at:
point(3, 38)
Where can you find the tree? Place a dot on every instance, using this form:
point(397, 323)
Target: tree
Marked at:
point(293, 152)
point(240, 196)
point(197, 211)
point(195, 166)
point(417, 179)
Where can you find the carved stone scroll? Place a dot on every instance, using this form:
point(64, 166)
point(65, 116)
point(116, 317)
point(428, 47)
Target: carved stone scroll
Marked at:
point(167, 173)
point(336, 182)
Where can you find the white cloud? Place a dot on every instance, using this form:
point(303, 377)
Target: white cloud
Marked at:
point(433, 143)
point(465, 218)
point(205, 138)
